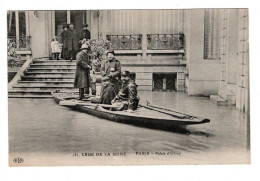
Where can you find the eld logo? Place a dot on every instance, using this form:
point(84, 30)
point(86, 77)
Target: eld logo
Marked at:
point(18, 160)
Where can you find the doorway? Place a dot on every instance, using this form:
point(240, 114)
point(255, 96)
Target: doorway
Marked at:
point(76, 17)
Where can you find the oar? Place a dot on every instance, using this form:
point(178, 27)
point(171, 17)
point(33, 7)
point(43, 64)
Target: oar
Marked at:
point(166, 109)
point(161, 111)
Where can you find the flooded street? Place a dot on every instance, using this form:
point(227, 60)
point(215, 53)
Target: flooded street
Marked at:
point(40, 128)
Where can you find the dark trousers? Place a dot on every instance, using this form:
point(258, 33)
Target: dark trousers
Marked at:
point(72, 54)
point(81, 93)
point(93, 88)
point(65, 53)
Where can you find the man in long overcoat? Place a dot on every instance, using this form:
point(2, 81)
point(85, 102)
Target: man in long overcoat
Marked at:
point(73, 42)
point(82, 76)
point(110, 70)
point(64, 40)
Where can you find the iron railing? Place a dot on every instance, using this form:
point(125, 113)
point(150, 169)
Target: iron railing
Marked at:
point(125, 42)
point(24, 42)
point(165, 41)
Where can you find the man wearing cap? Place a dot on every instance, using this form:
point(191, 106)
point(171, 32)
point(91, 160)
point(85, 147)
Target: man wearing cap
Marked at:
point(110, 70)
point(64, 41)
point(127, 98)
point(85, 34)
point(82, 76)
point(73, 42)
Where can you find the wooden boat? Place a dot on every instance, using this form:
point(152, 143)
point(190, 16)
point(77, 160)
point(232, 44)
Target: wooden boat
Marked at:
point(146, 115)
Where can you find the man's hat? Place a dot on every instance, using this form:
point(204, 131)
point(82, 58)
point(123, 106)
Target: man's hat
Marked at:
point(85, 25)
point(65, 26)
point(84, 46)
point(125, 73)
point(111, 51)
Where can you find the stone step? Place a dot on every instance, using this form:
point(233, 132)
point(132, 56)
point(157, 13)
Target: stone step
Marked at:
point(220, 101)
point(227, 95)
point(46, 87)
point(40, 61)
point(50, 74)
point(46, 83)
point(44, 66)
point(47, 78)
point(53, 63)
point(30, 96)
point(28, 92)
point(51, 70)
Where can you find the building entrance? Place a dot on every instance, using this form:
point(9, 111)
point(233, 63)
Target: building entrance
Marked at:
point(67, 17)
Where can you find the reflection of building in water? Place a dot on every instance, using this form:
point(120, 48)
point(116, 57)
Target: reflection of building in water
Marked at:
point(201, 52)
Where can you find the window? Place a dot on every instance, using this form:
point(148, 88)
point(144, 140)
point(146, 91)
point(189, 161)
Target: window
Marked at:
point(212, 34)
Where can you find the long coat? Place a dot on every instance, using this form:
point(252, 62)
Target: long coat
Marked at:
point(64, 39)
point(106, 69)
point(82, 76)
point(73, 39)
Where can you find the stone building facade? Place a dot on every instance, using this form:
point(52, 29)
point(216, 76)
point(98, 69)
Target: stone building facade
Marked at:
point(201, 52)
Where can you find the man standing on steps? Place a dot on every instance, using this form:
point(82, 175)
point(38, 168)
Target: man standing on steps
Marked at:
point(73, 42)
point(64, 40)
point(82, 76)
point(85, 34)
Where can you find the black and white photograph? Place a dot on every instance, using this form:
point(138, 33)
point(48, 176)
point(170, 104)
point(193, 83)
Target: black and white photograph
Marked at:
point(129, 90)
point(128, 87)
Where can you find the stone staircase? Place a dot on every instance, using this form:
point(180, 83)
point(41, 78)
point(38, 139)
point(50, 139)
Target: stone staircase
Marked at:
point(44, 76)
point(224, 98)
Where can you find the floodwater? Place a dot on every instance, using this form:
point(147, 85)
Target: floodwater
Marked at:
point(44, 133)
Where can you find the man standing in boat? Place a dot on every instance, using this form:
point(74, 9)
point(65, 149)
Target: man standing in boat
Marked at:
point(82, 76)
point(127, 98)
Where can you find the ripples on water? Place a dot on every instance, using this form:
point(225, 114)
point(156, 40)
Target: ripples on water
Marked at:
point(40, 125)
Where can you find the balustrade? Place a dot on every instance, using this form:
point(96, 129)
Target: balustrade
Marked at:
point(125, 42)
point(165, 41)
point(22, 43)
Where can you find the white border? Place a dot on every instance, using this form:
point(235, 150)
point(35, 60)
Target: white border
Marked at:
point(194, 173)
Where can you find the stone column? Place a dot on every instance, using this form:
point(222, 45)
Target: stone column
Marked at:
point(17, 27)
point(94, 24)
point(68, 17)
point(144, 34)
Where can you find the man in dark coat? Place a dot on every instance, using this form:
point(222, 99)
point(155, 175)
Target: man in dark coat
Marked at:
point(82, 76)
point(64, 40)
point(73, 42)
point(85, 34)
point(111, 71)
point(127, 98)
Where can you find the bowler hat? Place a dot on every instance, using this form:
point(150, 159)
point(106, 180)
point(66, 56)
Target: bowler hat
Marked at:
point(85, 25)
point(84, 46)
point(65, 26)
point(125, 73)
point(111, 51)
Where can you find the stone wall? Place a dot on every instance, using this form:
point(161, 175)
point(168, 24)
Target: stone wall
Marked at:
point(203, 76)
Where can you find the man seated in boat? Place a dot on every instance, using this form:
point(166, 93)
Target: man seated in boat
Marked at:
point(127, 98)
point(111, 75)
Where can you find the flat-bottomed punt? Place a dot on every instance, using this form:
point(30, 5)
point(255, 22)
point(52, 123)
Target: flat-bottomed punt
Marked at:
point(146, 115)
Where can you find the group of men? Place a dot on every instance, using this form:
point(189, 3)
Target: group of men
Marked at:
point(117, 87)
point(72, 40)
